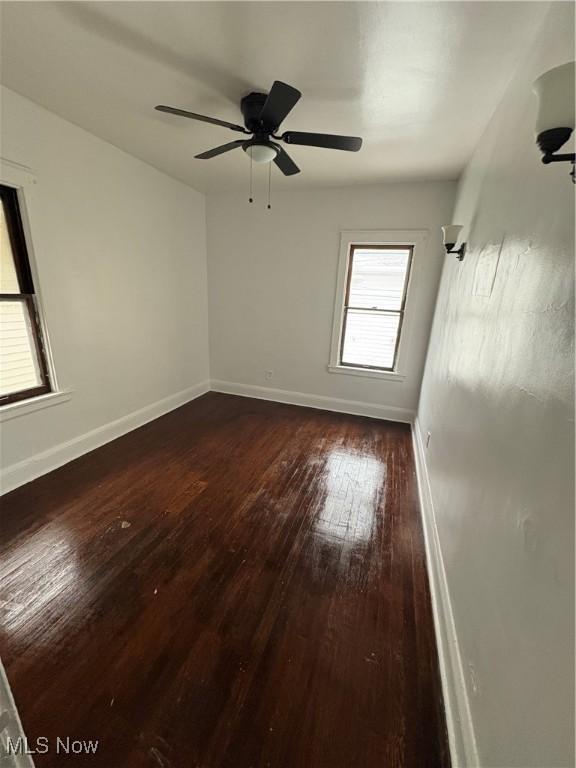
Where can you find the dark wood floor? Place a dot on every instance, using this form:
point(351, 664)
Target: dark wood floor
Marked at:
point(239, 583)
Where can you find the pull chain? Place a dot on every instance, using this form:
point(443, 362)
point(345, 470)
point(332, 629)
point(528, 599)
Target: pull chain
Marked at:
point(250, 199)
point(269, 183)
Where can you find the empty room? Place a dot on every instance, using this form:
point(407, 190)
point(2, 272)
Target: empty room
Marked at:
point(287, 384)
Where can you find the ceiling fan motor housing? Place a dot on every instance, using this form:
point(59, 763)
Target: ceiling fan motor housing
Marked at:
point(251, 106)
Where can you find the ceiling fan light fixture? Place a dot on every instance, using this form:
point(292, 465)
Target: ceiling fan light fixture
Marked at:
point(261, 153)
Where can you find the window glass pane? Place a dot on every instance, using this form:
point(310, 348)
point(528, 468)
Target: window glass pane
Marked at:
point(378, 277)
point(370, 338)
point(19, 367)
point(8, 276)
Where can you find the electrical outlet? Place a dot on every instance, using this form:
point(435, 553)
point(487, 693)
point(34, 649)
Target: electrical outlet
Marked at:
point(428, 436)
point(268, 374)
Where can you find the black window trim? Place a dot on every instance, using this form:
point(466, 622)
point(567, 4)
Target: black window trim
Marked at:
point(400, 312)
point(27, 295)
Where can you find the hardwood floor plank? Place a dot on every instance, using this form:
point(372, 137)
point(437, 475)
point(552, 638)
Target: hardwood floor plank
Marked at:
point(238, 583)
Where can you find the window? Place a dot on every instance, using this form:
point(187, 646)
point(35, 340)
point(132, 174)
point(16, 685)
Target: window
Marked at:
point(23, 366)
point(375, 296)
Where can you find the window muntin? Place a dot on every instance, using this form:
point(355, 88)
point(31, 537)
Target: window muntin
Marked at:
point(23, 366)
point(374, 305)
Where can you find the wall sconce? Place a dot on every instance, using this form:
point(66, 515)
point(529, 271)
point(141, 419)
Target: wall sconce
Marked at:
point(451, 234)
point(555, 122)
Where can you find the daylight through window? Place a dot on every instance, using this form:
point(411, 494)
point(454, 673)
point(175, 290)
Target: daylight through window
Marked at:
point(374, 305)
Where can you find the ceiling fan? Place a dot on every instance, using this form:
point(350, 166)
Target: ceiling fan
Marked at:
point(263, 113)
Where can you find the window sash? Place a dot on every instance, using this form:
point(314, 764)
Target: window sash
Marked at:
point(374, 310)
point(9, 200)
point(28, 300)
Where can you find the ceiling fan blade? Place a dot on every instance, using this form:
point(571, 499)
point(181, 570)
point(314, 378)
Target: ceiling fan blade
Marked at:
point(285, 162)
point(219, 150)
point(327, 140)
point(279, 103)
point(202, 118)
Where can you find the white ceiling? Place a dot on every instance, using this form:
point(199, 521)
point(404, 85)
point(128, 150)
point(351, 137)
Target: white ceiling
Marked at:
point(418, 80)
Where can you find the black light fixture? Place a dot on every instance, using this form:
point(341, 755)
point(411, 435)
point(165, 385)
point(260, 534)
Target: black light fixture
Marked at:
point(451, 234)
point(555, 122)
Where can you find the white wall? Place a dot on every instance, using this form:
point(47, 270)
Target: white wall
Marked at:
point(272, 280)
point(121, 256)
point(498, 398)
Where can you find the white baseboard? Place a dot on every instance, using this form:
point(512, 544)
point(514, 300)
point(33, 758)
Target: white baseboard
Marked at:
point(24, 471)
point(461, 735)
point(354, 407)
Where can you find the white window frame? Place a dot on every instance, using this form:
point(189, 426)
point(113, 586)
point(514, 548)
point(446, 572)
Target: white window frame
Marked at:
point(23, 180)
point(412, 237)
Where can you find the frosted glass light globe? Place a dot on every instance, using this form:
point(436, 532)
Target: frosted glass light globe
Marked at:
point(261, 153)
point(555, 91)
point(451, 233)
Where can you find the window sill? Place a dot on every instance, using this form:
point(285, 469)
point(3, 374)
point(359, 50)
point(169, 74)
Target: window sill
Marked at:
point(367, 372)
point(23, 407)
